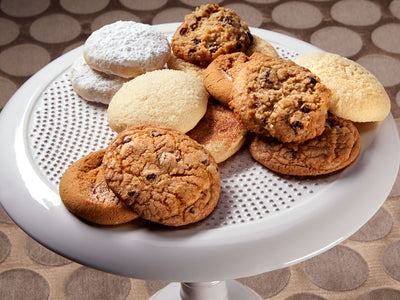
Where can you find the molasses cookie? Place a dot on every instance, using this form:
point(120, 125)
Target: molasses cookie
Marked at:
point(357, 95)
point(220, 132)
point(208, 32)
point(126, 49)
point(162, 174)
point(278, 98)
point(84, 192)
point(336, 148)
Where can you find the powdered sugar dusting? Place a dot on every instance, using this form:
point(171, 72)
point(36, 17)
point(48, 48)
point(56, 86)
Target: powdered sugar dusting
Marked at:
point(99, 85)
point(129, 44)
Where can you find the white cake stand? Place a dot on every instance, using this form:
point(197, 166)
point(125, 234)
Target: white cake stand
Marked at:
point(263, 221)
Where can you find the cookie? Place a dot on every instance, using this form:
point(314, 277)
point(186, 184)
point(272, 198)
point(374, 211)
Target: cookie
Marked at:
point(208, 32)
point(176, 63)
point(93, 85)
point(162, 174)
point(218, 75)
point(220, 132)
point(260, 45)
point(357, 95)
point(85, 193)
point(278, 98)
point(336, 148)
point(167, 97)
point(126, 49)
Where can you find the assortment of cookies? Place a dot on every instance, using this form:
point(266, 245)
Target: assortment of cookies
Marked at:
point(180, 108)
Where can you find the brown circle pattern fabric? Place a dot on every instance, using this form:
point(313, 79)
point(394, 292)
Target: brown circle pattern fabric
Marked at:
point(365, 266)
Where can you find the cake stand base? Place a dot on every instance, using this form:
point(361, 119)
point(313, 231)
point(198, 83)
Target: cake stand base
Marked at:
point(216, 290)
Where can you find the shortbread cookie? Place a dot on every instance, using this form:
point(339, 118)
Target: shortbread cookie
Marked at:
point(357, 95)
point(220, 132)
point(85, 193)
point(176, 63)
point(218, 75)
point(162, 174)
point(208, 32)
point(336, 148)
point(279, 98)
point(93, 85)
point(126, 49)
point(167, 97)
point(260, 45)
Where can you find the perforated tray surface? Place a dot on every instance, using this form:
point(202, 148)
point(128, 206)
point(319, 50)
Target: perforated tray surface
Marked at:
point(263, 220)
point(64, 127)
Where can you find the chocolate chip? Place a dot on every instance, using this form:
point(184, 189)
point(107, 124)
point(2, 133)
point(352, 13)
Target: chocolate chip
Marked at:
point(332, 123)
point(196, 41)
point(155, 133)
point(192, 210)
point(305, 108)
point(127, 139)
point(183, 31)
point(213, 50)
point(267, 80)
point(131, 193)
point(205, 162)
point(193, 26)
point(296, 125)
point(178, 159)
point(312, 80)
point(151, 176)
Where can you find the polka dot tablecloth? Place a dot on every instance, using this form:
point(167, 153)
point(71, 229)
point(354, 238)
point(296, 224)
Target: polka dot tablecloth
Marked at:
point(366, 266)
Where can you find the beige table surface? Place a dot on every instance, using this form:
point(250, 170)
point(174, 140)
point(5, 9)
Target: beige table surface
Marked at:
point(366, 266)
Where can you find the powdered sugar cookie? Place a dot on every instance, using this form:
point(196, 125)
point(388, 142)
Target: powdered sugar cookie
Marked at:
point(126, 49)
point(93, 85)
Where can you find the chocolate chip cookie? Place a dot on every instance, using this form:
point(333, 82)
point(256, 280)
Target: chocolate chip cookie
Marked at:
point(279, 98)
point(336, 148)
point(208, 32)
point(162, 174)
point(84, 192)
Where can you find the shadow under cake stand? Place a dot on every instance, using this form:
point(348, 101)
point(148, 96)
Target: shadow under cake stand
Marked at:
point(263, 221)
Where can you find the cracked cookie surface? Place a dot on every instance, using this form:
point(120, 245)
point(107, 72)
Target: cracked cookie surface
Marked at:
point(84, 192)
point(336, 148)
point(279, 98)
point(208, 32)
point(162, 174)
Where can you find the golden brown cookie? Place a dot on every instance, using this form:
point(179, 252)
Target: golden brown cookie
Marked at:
point(260, 45)
point(208, 32)
point(278, 98)
point(336, 148)
point(218, 76)
point(162, 174)
point(85, 193)
point(175, 63)
point(220, 132)
point(357, 95)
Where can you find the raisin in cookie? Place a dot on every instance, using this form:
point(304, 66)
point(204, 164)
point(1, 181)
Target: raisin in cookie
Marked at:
point(162, 174)
point(279, 98)
point(218, 75)
point(208, 32)
point(336, 148)
point(219, 131)
point(84, 192)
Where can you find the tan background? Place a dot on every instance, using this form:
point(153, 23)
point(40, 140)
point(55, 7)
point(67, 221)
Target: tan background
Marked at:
point(366, 266)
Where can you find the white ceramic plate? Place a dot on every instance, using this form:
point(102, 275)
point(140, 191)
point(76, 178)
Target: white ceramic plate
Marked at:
point(263, 221)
